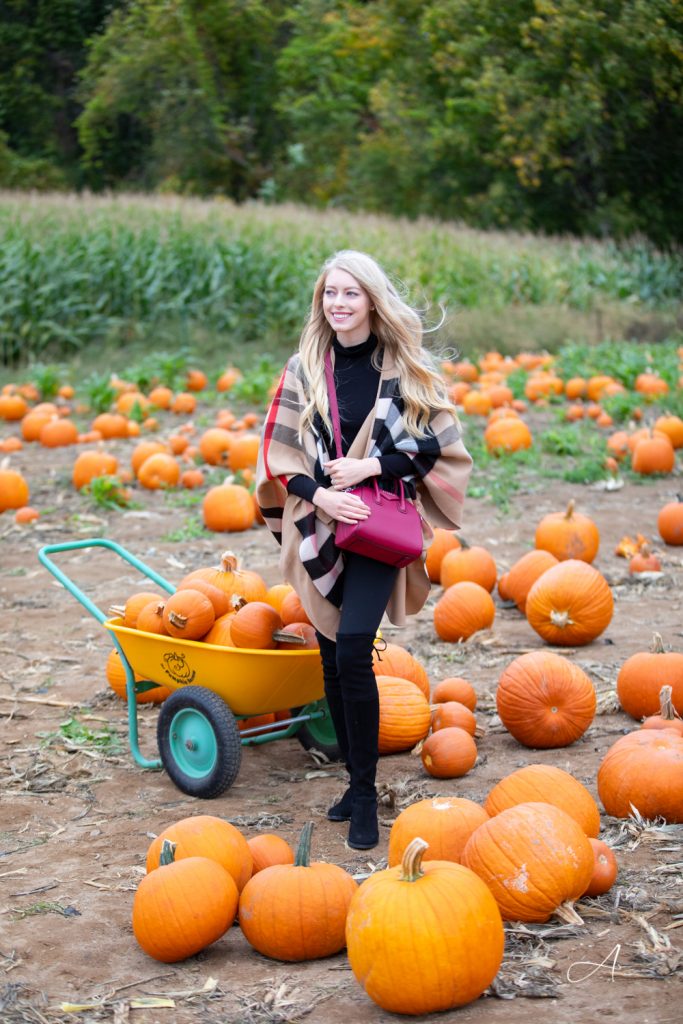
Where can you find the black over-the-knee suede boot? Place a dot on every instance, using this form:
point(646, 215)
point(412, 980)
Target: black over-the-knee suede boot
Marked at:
point(341, 810)
point(361, 707)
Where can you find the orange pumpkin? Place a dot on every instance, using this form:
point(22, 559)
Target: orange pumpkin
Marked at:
point(644, 769)
point(228, 508)
point(605, 868)
point(550, 785)
point(159, 471)
point(195, 893)
point(533, 857)
point(651, 455)
point(452, 712)
point(404, 714)
point(507, 434)
point(218, 597)
point(268, 849)
point(443, 542)
point(545, 700)
point(449, 753)
point(143, 450)
point(134, 605)
point(253, 626)
point(455, 688)
point(116, 677)
point(568, 534)
point(150, 618)
point(524, 573)
point(670, 522)
point(667, 718)
point(446, 823)
point(642, 676)
point(291, 609)
point(395, 660)
point(297, 911)
point(570, 604)
point(424, 937)
point(90, 464)
point(463, 610)
point(214, 445)
point(14, 491)
point(188, 614)
point(232, 579)
point(205, 835)
point(475, 564)
point(219, 634)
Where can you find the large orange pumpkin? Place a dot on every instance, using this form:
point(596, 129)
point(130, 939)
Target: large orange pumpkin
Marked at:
point(14, 491)
point(670, 522)
point(568, 534)
point(267, 849)
point(524, 573)
point(230, 578)
point(570, 604)
point(90, 464)
point(424, 937)
point(644, 769)
point(253, 626)
point(550, 785)
point(545, 700)
point(183, 906)
point(533, 857)
point(297, 911)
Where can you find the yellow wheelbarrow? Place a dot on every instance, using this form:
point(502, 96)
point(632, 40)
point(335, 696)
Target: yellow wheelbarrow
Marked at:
point(200, 743)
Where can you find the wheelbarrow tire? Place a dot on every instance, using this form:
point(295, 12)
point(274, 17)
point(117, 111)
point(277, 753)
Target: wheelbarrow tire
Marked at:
point(318, 733)
point(199, 742)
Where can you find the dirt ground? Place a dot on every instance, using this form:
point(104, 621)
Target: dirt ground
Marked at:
point(76, 821)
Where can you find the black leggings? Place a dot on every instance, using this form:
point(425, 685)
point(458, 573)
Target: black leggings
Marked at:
point(347, 664)
point(367, 588)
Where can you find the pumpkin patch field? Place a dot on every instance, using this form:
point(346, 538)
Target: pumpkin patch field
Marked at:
point(512, 733)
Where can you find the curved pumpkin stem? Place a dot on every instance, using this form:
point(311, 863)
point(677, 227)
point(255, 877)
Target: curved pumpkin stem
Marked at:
point(657, 645)
point(411, 862)
point(568, 914)
point(167, 855)
point(570, 509)
point(303, 853)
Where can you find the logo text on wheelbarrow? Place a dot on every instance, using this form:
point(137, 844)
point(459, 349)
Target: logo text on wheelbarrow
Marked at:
point(175, 666)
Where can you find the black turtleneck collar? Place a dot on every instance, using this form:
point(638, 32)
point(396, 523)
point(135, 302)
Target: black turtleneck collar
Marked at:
point(355, 351)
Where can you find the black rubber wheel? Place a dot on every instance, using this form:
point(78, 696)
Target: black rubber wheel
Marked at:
point(318, 734)
point(199, 742)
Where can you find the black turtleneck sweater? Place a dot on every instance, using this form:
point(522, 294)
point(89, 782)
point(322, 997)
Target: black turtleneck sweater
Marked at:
point(356, 381)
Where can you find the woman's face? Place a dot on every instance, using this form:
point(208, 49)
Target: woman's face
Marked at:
point(347, 307)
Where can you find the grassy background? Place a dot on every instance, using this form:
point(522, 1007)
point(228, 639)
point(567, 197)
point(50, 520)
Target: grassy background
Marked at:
point(105, 280)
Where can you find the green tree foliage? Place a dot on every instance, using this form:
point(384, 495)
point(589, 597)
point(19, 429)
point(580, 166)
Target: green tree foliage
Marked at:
point(42, 46)
point(179, 94)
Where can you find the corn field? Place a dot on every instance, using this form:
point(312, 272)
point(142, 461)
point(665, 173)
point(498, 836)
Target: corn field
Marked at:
point(75, 271)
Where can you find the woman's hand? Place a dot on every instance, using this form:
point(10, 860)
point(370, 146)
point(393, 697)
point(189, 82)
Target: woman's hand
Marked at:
point(349, 472)
point(341, 505)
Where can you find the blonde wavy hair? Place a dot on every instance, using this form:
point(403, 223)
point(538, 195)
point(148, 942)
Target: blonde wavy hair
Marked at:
point(399, 330)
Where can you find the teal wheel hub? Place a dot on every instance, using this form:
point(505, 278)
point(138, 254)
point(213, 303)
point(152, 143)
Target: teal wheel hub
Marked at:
point(192, 743)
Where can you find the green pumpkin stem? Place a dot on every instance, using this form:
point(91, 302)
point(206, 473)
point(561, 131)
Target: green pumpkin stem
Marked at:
point(303, 853)
point(167, 855)
point(411, 863)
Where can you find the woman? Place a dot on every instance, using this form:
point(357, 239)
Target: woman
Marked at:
point(397, 425)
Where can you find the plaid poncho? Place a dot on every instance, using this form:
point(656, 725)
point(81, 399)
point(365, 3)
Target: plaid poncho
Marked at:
point(309, 559)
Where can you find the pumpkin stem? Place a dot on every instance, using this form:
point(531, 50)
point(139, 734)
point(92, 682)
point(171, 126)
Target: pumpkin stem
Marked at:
point(465, 544)
point(666, 707)
point(570, 509)
point(237, 602)
point(303, 853)
point(178, 620)
point(117, 609)
point(561, 619)
point(568, 914)
point(228, 561)
point(657, 645)
point(411, 863)
point(167, 855)
point(282, 636)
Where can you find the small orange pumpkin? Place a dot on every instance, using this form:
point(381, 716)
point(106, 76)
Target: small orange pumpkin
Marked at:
point(253, 626)
point(449, 753)
point(188, 614)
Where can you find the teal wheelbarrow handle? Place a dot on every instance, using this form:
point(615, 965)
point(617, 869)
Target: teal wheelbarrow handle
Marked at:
point(101, 542)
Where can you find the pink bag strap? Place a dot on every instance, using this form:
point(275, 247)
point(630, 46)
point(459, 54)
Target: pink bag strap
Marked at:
point(334, 408)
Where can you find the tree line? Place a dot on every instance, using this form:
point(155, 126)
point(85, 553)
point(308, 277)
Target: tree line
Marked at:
point(542, 115)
